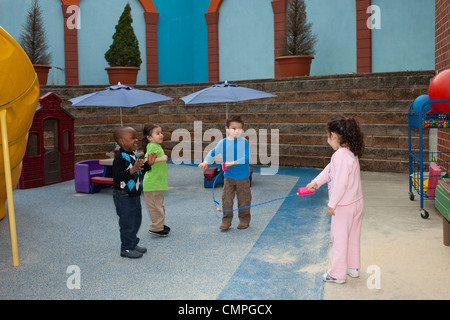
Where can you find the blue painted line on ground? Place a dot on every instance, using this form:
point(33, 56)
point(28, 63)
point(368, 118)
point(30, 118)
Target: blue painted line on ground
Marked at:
point(288, 259)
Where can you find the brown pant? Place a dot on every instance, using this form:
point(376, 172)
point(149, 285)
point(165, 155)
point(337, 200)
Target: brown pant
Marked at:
point(155, 206)
point(244, 196)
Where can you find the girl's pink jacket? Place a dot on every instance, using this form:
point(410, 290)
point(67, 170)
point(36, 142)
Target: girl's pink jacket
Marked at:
point(343, 177)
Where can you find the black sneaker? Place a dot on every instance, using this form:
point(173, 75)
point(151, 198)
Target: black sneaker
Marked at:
point(162, 233)
point(166, 228)
point(140, 249)
point(132, 254)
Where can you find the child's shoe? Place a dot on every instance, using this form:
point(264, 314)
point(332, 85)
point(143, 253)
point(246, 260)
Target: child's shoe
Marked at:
point(327, 278)
point(132, 254)
point(243, 225)
point(227, 218)
point(224, 226)
point(140, 249)
point(354, 273)
point(162, 233)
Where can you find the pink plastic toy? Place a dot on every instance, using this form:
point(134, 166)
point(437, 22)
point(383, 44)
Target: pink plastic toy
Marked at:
point(304, 191)
point(434, 176)
point(223, 167)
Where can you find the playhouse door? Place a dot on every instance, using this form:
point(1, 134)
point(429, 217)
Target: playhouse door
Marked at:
point(52, 156)
point(52, 166)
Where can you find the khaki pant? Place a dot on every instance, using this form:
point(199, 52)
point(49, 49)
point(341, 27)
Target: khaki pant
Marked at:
point(155, 206)
point(244, 196)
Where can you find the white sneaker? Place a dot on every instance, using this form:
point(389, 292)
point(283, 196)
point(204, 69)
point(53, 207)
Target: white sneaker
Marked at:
point(354, 273)
point(327, 278)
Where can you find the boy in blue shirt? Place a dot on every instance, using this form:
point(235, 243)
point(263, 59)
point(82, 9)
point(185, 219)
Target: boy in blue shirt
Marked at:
point(236, 156)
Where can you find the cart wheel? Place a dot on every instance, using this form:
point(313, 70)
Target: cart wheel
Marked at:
point(411, 196)
point(424, 213)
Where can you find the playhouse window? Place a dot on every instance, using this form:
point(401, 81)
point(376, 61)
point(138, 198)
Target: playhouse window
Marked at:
point(32, 148)
point(67, 139)
point(51, 134)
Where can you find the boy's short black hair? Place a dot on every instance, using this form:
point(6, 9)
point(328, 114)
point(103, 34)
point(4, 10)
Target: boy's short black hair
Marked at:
point(234, 118)
point(119, 132)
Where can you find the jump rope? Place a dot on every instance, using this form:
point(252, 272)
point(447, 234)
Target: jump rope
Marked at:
point(300, 192)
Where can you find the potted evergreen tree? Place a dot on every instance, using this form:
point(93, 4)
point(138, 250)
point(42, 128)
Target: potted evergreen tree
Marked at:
point(300, 42)
point(33, 40)
point(123, 56)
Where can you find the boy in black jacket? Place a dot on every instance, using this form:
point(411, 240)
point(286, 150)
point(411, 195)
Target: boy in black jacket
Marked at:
point(128, 173)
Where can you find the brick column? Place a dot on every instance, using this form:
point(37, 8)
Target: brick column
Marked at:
point(279, 21)
point(442, 61)
point(212, 21)
point(442, 33)
point(151, 37)
point(70, 48)
point(363, 38)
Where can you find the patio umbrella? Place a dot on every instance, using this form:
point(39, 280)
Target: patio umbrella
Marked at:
point(118, 96)
point(225, 92)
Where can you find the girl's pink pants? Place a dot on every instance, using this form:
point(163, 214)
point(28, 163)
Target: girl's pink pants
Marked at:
point(345, 235)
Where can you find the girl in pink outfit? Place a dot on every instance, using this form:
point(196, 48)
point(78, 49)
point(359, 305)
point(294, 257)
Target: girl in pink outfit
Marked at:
point(345, 197)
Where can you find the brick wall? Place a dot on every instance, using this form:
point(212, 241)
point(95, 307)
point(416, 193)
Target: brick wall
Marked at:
point(300, 112)
point(442, 61)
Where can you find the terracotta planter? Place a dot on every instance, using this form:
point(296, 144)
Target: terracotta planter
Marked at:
point(294, 66)
point(42, 73)
point(124, 75)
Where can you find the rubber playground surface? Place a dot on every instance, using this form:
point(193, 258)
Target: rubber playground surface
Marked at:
point(281, 256)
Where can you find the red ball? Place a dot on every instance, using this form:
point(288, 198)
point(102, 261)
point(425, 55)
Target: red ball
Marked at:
point(440, 90)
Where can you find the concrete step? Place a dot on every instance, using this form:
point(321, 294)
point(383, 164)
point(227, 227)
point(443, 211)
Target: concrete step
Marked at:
point(215, 112)
point(389, 80)
point(299, 114)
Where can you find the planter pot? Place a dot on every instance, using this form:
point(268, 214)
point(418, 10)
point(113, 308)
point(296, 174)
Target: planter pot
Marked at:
point(124, 75)
point(42, 73)
point(294, 66)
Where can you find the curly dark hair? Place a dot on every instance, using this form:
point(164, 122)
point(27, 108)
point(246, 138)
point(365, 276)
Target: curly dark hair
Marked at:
point(349, 133)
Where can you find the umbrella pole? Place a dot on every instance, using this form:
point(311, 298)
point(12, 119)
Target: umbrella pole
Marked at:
point(121, 123)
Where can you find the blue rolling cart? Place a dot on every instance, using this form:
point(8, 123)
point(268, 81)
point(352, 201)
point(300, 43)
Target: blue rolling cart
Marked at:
point(420, 161)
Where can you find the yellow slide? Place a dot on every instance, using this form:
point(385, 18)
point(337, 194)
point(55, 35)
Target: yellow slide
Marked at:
point(19, 94)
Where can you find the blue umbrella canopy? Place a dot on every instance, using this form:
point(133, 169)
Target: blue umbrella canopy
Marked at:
point(118, 96)
point(225, 92)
